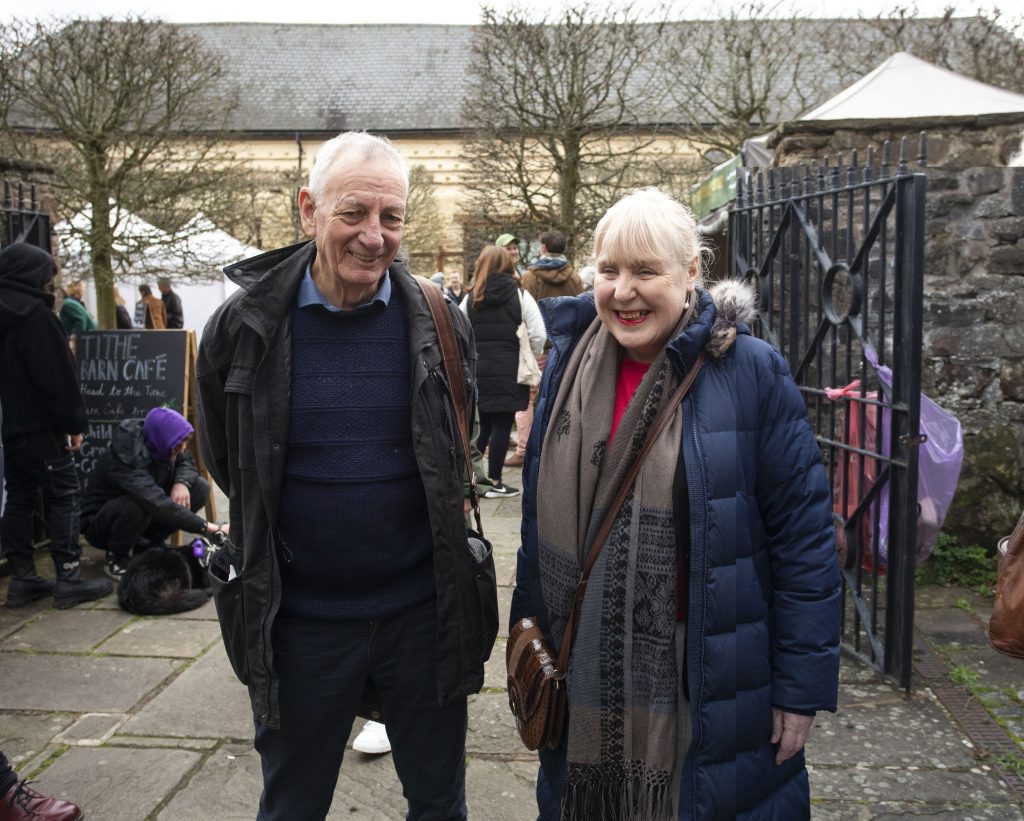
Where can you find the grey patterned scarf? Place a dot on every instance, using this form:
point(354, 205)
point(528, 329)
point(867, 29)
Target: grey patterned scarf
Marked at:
point(622, 679)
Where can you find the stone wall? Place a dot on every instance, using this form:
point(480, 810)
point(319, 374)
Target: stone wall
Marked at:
point(973, 357)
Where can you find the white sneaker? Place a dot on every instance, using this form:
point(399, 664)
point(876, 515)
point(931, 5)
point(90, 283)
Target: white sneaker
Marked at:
point(372, 739)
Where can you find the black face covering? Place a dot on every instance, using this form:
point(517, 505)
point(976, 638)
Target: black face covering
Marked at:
point(29, 270)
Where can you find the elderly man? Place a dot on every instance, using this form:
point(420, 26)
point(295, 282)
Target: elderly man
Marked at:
point(326, 419)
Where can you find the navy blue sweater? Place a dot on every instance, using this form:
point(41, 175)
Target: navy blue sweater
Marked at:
point(353, 516)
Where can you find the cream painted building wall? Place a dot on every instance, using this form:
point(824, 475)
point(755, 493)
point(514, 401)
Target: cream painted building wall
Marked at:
point(441, 156)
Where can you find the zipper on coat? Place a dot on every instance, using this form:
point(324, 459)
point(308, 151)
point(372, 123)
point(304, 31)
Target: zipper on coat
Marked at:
point(263, 627)
point(699, 464)
point(438, 380)
point(265, 639)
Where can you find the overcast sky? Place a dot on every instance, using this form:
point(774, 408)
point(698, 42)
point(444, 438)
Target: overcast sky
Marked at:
point(401, 11)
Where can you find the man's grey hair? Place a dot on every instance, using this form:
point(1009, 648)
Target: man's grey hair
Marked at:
point(364, 147)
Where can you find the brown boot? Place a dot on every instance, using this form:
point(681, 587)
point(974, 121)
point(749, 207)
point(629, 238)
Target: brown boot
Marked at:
point(22, 803)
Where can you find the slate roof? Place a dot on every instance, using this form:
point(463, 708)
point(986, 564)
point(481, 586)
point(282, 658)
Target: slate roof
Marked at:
point(283, 78)
point(286, 78)
point(411, 78)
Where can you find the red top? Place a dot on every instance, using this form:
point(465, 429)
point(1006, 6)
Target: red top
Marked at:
point(631, 373)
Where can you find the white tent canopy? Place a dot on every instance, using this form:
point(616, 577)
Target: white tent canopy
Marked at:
point(201, 244)
point(904, 86)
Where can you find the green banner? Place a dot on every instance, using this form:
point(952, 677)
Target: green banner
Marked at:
point(715, 190)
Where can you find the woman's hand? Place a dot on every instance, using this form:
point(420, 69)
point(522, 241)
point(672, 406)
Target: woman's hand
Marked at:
point(790, 732)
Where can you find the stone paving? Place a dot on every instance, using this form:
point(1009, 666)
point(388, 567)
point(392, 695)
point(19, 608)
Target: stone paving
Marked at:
point(141, 718)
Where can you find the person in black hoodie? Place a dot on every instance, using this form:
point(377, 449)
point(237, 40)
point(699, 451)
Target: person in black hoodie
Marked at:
point(43, 423)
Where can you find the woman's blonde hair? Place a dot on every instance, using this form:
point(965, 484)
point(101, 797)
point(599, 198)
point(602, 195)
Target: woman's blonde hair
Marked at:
point(75, 289)
point(491, 260)
point(649, 224)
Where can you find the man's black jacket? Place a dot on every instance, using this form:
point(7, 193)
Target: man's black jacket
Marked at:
point(244, 379)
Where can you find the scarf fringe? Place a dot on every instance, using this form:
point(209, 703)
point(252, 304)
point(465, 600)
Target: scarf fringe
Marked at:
point(620, 791)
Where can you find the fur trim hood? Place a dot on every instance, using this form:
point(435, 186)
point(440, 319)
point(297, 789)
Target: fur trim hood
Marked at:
point(735, 308)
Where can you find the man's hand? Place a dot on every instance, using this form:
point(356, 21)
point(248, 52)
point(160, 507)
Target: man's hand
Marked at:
point(181, 496)
point(74, 442)
point(790, 732)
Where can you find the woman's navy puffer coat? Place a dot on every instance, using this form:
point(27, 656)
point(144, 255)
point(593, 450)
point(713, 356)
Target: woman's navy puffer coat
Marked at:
point(764, 592)
point(494, 327)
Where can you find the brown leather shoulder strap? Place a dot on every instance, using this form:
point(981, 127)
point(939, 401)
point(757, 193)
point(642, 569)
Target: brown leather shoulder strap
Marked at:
point(664, 417)
point(452, 364)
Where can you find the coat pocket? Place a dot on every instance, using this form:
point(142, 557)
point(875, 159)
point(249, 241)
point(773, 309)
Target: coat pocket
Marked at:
point(226, 584)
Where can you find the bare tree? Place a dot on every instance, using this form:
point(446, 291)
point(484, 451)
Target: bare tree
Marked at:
point(987, 46)
point(424, 224)
point(563, 117)
point(127, 113)
point(732, 78)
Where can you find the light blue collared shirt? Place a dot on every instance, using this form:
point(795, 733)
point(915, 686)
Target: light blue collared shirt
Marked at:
point(309, 294)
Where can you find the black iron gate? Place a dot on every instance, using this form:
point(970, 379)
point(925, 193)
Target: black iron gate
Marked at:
point(23, 220)
point(836, 254)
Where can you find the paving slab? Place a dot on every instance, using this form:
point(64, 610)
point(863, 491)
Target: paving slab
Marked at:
point(67, 631)
point(877, 723)
point(227, 788)
point(492, 730)
point(157, 741)
point(504, 608)
point(205, 701)
point(14, 618)
point(994, 669)
point(116, 784)
point(78, 684)
point(92, 729)
point(162, 636)
point(495, 675)
point(23, 736)
point(207, 613)
point(950, 626)
point(893, 811)
point(928, 785)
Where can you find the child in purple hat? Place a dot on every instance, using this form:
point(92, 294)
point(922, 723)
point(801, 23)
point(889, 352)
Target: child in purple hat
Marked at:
point(144, 488)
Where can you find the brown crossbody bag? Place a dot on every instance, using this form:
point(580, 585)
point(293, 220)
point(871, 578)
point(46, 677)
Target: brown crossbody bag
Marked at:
point(536, 682)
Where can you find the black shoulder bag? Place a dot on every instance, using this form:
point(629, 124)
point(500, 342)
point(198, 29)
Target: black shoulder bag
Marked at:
point(479, 549)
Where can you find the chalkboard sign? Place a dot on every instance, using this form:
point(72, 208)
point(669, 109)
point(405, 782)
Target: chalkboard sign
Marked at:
point(124, 375)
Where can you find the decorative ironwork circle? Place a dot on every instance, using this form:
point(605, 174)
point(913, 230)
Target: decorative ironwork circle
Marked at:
point(841, 291)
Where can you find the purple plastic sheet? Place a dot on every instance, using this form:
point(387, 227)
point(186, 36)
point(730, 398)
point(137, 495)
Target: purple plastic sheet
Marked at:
point(939, 462)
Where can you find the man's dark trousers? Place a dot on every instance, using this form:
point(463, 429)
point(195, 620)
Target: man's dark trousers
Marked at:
point(119, 525)
point(39, 460)
point(322, 666)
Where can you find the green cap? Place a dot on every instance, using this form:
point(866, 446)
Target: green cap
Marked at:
point(504, 240)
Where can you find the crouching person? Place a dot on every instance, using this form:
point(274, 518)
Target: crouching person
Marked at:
point(144, 488)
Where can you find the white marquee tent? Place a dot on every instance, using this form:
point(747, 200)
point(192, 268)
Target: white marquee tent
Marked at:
point(202, 245)
point(905, 86)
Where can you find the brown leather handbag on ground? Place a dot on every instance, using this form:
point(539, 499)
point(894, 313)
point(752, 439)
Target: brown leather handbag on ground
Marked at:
point(536, 683)
point(1006, 627)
